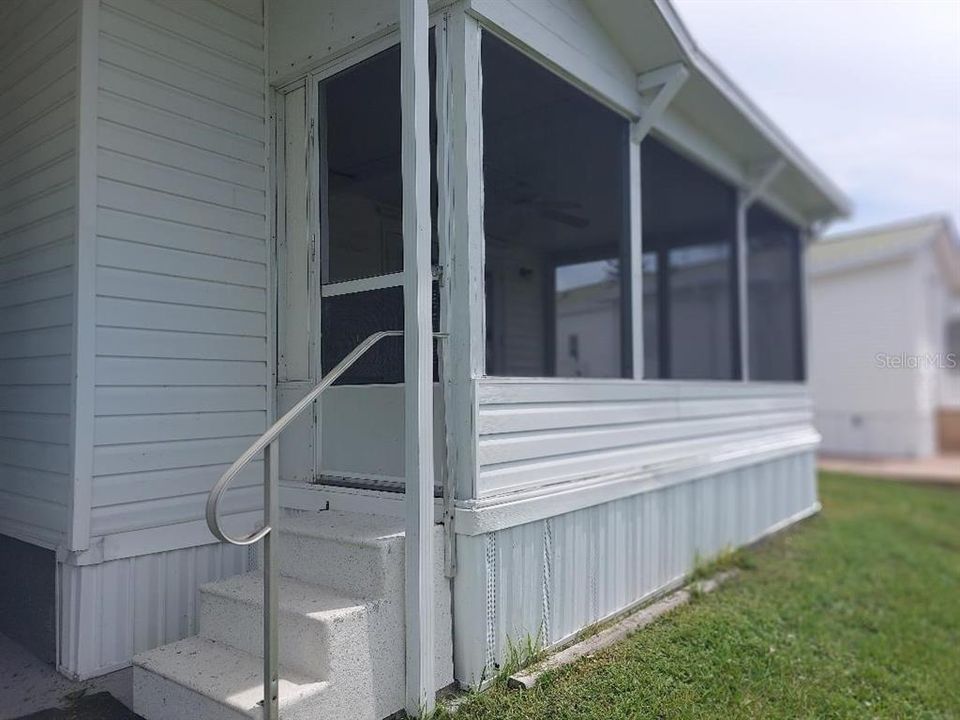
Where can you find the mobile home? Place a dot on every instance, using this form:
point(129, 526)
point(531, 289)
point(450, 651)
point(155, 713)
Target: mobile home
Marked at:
point(211, 210)
point(885, 340)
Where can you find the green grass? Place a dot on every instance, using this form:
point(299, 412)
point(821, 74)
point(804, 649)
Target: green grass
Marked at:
point(855, 613)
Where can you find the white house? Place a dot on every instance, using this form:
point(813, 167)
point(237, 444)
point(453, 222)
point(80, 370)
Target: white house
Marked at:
point(209, 209)
point(885, 340)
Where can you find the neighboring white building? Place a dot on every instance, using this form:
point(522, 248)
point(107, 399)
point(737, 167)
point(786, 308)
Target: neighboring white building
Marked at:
point(884, 323)
point(206, 206)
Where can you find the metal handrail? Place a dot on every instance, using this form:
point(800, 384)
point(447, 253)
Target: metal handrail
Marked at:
point(271, 571)
point(213, 501)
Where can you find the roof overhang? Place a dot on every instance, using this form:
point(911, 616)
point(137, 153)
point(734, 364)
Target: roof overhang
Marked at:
point(711, 102)
point(862, 250)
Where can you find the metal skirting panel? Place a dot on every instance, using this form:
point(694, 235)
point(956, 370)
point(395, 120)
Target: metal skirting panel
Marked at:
point(550, 579)
point(111, 611)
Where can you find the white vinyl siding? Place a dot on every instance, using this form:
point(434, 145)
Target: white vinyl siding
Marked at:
point(536, 433)
point(38, 59)
point(181, 277)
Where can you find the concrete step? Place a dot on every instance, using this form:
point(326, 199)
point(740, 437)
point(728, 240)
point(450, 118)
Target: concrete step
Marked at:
point(199, 678)
point(355, 554)
point(341, 630)
point(318, 626)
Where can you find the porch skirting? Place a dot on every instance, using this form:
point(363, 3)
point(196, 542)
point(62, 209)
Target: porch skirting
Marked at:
point(111, 610)
point(549, 579)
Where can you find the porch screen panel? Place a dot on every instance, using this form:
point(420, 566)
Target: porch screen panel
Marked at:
point(348, 319)
point(774, 296)
point(556, 223)
point(361, 215)
point(690, 320)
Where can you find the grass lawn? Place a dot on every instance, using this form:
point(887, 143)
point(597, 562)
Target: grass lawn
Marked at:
point(855, 613)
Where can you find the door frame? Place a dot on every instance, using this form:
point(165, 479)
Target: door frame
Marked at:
point(309, 82)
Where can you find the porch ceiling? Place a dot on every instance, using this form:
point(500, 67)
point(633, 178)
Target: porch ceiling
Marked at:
point(651, 35)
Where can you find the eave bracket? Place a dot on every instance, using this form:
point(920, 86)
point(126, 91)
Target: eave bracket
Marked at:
point(663, 83)
point(752, 193)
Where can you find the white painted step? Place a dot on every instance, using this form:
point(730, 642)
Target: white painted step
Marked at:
point(198, 678)
point(356, 554)
point(318, 626)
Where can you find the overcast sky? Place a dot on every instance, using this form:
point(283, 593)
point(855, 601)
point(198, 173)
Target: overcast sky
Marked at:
point(868, 89)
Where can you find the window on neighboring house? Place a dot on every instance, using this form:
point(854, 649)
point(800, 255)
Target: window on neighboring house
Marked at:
point(953, 344)
point(775, 292)
point(690, 322)
point(556, 223)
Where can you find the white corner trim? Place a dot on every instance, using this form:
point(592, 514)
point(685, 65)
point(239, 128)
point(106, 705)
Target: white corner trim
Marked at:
point(476, 517)
point(84, 321)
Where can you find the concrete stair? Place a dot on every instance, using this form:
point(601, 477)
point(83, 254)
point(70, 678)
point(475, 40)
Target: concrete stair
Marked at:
point(341, 628)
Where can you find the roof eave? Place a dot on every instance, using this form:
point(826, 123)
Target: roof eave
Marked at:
point(840, 205)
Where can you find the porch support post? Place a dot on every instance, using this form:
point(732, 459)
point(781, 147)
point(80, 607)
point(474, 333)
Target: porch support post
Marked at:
point(418, 356)
point(745, 198)
point(466, 287)
point(635, 259)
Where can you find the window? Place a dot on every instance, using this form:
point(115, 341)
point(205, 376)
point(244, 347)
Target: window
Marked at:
point(361, 218)
point(690, 322)
point(953, 345)
point(556, 224)
point(774, 286)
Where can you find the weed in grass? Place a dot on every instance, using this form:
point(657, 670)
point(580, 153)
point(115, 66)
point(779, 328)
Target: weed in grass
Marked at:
point(520, 654)
point(727, 559)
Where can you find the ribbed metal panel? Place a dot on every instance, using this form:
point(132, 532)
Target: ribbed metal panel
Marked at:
point(113, 610)
point(556, 576)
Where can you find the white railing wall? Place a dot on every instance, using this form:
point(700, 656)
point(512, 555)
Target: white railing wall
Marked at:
point(538, 432)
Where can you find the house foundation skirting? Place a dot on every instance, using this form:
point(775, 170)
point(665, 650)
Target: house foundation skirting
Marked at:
point(111, 610)
point(551, 578)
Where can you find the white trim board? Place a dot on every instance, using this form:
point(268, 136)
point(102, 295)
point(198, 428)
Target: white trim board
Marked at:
point(163, 538)
point(476, 517)
point(308, 497)
point(84, 321)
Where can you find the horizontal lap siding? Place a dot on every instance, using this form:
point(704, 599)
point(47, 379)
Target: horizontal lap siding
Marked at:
point(181, 338)
point(532, 434)
point(38, 58)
